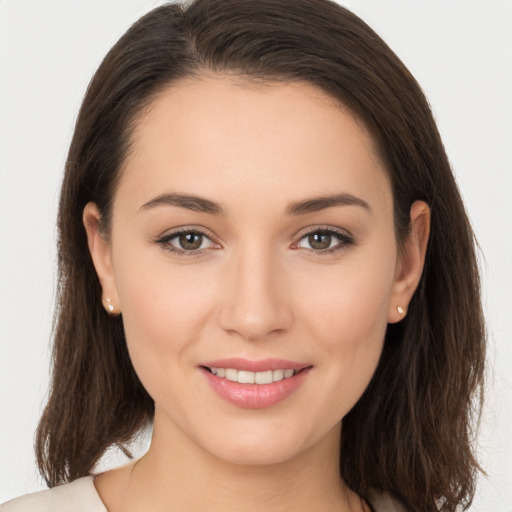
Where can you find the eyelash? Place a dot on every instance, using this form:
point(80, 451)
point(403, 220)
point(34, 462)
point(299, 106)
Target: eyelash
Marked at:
point(345, 240)
point(164, 242)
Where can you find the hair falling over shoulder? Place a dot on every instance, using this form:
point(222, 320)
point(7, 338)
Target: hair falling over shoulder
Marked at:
point(412, 432)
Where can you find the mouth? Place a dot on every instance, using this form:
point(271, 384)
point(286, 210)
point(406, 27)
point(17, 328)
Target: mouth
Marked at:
point(248, 377)
point(254, 384)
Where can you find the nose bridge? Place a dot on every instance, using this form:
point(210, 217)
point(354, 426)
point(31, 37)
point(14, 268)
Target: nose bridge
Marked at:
point(255, 304)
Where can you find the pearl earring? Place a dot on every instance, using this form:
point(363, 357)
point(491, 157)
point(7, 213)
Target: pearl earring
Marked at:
point(111, 308)
point(400, 310)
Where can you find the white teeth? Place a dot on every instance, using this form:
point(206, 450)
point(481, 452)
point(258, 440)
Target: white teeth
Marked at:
point(263, 377)
point(278, 375)
point(245, 377)
point(232, 374)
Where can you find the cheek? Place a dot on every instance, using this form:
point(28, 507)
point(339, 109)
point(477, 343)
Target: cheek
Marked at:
point(348, 321)
point(164, 307)
point(350, 307)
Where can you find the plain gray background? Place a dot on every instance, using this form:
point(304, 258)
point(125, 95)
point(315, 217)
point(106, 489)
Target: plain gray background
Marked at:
point(460, 52)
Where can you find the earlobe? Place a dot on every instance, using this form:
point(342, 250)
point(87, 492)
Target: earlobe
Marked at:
point(411, 262)
point(100, 251)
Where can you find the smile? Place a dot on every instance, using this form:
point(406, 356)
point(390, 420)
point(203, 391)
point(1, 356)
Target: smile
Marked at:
point(247, 377)
point(254, 384)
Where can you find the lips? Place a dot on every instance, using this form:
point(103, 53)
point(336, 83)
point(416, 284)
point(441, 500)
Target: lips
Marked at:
point(254, 384)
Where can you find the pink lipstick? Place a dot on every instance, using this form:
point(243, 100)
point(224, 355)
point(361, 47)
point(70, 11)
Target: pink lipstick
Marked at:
point(254, 384)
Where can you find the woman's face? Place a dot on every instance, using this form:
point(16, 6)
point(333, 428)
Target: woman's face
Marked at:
point(253, 232)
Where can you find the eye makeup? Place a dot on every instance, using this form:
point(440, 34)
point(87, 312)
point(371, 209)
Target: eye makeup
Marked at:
point(192, 242)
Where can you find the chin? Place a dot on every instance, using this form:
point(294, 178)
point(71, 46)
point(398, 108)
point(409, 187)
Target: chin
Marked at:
point(244, 454)
point(252, 445)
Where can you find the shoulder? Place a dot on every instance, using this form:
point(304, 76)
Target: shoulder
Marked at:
point(382, 502)
point(78, 496)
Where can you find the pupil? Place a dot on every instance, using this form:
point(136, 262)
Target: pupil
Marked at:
point(320, 240)
point(191, 241)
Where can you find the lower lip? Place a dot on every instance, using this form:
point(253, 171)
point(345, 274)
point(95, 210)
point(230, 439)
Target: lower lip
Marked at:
point(255, 396)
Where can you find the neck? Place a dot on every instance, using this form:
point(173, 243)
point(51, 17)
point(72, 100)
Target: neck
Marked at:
point(177, 474)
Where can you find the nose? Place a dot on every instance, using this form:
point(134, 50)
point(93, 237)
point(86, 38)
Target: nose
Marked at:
point(255, 301)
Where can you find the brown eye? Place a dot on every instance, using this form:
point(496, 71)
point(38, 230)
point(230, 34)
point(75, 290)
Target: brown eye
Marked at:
point(186, 242)
point(325, 241)
point(320, 240)
point(190, 241)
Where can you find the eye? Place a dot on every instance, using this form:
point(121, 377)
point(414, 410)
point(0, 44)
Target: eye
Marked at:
point(324, 241)
point(186, 241)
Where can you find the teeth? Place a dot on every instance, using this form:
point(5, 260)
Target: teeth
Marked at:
point(232, 374)
point(278, 375)
point(245, 377)
point(264, 377)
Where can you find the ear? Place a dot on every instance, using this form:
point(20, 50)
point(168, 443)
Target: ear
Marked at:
point(101, 255)
point(410, 262)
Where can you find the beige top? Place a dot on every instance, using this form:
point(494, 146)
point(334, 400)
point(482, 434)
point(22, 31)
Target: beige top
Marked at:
point(78, 496)
point(81, 496)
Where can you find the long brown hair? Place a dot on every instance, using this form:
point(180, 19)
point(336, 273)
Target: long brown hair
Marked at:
point(412, 432)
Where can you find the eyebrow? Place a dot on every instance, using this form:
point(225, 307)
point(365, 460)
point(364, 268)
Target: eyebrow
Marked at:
point(316, 204)
point(203, 205)
point(190, 202)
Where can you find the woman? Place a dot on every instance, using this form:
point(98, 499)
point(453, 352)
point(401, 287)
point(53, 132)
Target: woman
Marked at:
point(264, 254)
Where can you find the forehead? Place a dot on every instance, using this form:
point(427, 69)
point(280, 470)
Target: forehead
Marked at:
point(217, 135)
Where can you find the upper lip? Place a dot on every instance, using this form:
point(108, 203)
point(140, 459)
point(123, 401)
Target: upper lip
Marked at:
point(255, 366)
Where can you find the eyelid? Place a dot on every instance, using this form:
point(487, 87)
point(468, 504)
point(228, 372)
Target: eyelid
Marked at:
point(164, 239)
point(322, 227)
point(185, 229)
point(345, 237)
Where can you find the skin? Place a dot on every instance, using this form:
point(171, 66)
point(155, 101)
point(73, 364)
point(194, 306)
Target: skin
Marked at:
point(258, 290)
